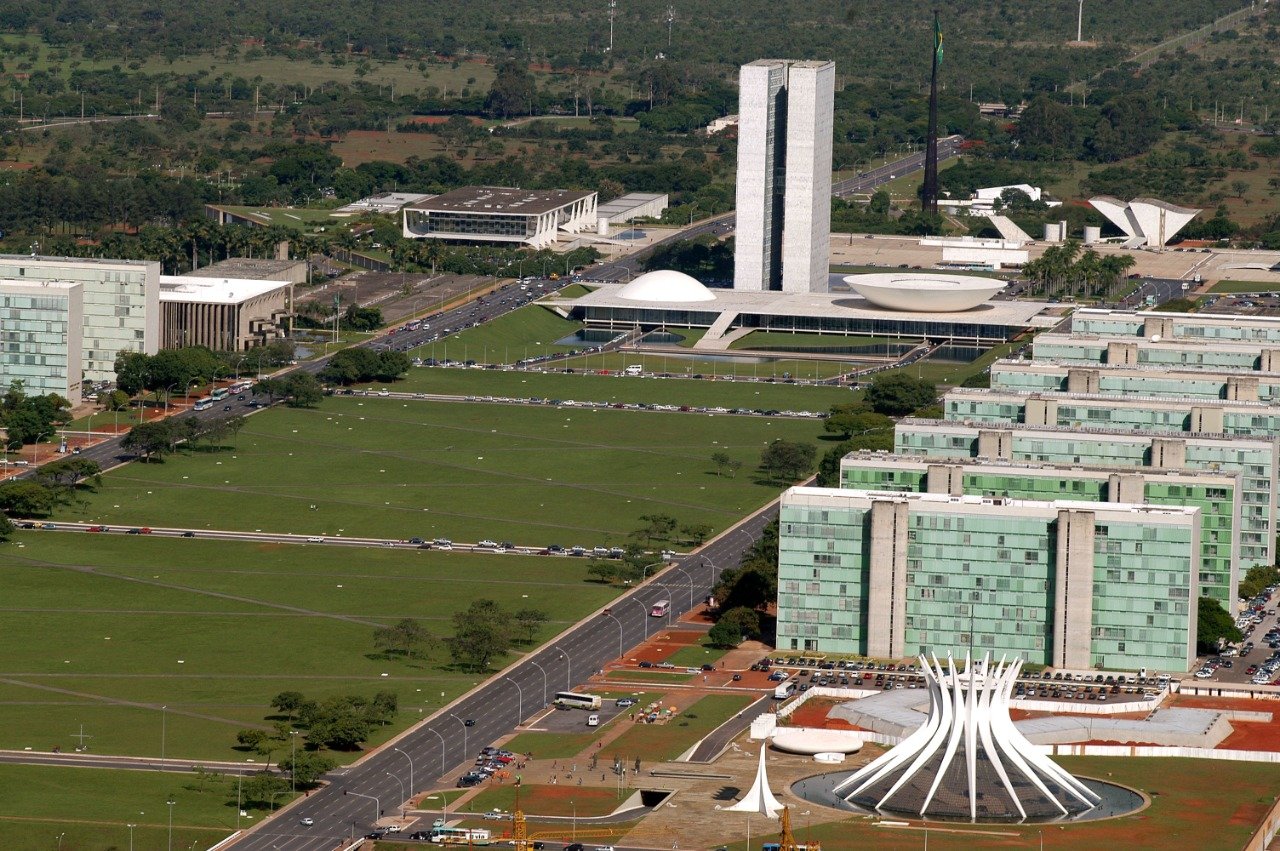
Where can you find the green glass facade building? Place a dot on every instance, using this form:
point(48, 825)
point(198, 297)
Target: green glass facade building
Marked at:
point(1038, 376)
point(1217, 495)
point(1149, 324)
point(1255, 460)
point(1071, 584)
point(1182, 354)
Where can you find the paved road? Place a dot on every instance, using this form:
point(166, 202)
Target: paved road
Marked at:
point(439, 747)
point(710, 747)
point(948, 147)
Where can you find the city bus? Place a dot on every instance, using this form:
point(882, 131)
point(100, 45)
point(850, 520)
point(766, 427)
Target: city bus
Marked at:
point(240, 387)
point(660, 609)
point(204, 403)
point(459, 836)
point(219, 393)
point(573, 700)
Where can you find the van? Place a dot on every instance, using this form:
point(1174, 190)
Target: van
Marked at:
point(634, 369)
point(783, 691)
point(593, 720)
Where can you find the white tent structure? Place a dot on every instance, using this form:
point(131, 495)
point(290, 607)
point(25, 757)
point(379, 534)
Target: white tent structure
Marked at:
point(1145, 221)
point(760, 798)
point(967, 759)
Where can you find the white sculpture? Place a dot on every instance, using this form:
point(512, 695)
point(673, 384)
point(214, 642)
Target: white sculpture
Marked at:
point(760, 799)
point(1146, 221)
point(1003, 774)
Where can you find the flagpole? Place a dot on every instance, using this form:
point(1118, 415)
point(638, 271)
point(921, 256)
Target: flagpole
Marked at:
point(929, 195)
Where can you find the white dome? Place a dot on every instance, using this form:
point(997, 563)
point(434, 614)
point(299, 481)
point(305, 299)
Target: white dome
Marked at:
point(924, 292)
point(665, 285)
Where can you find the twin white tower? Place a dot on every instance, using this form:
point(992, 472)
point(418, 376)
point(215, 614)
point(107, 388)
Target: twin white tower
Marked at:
point(783, 237)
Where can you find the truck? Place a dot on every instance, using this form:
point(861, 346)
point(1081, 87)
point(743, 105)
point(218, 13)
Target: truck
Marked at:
point(784, 690)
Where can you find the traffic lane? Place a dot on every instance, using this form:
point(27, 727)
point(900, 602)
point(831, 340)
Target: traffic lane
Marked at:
point(584, 649)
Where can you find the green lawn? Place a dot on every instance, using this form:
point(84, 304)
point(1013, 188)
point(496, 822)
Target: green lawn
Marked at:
point(697, 655)
point(94, 808)
point(378, 467)
point(664, 742)
point(546, 801)
point(213, 630)
point(532, 330)
point(649, 676)
point(806, 342)
point(608, 388)
point(571, 291)
point(722, 364)
point(1244, 287)
point(950, 372)
point(688, 336)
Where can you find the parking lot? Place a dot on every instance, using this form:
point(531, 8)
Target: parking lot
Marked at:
point(1257, 659)
point(575, 720)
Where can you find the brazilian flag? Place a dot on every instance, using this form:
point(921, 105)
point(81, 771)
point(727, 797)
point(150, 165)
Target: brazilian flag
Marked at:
point(937, 40)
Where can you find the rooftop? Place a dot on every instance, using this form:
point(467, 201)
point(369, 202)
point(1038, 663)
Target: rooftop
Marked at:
point(627, 203)
point(838, 305)
point(384, 202)
point(1110, 400)
point(1098, 471)
point(1111, 434)
point(497, 199)
point(185, 288)
point(983, 504)
point(243, 268)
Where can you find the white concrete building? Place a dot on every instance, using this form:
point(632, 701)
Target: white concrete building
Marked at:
point(633, 205)
point(1146, 221)
point(533, 217)
point(120, 298)
point(225, 314)
point(784, 175)
point(41, 329)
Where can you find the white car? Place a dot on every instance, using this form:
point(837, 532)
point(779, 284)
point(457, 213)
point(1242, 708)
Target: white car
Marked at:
point(315, 539)
point(486, 544)
point(1203, 674)
point(307, 821)
point(394, 828)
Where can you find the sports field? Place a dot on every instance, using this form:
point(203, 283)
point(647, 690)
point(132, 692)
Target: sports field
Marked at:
point(104, 630)
point(81, 809)
point(614, 388)
point(378, 467)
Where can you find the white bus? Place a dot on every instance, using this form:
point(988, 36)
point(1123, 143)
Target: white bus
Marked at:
point(219, 393)
point(240, 387)
point(660, 609)
point(459, 835)
point(204, 403)
point(573, 700)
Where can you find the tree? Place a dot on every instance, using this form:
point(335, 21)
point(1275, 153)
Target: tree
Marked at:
point(896, 394)
point(656, 527)
point(251, 738)
point(846, 420)
point(786, 460)
point(149, 439)
point(529, 621)
point(260, 789)
point(480, 634)
point(302, 390)
point(696, 533)
point(405, 637)
point(1257, 579)
point(25, 426)
point(513, 90)
point(114, 400)
point(603, 570)
point(735, 625)
point(66, 473)
point(1047, 129)
point(879, 203)
point(26, 498)
point(287, 702)
point(339, 724)
point(306, 767)
point(722, 460)
point(1214, 626)
point(6, 528)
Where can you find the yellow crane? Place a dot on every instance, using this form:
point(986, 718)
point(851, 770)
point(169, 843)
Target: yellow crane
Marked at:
point(523, 840)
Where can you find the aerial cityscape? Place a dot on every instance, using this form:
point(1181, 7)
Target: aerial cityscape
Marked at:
point(582, 429)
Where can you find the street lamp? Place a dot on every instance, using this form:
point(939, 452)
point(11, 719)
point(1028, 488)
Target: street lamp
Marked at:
point(402, 795)
point(406, 756)
point(568, 674)
point(443, 748)
point(131, 827)
point(519, 699)
point(544, 679)
point(574, 834)
point(171, 802)
point(465, 751)
point(163, 727)
point(690, 578)
point(293, 762)
point(644, 612)
point(621, 648)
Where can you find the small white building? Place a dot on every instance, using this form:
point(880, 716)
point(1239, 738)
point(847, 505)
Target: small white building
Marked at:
point(41, 333)
point(1145, 221)
point(634, 205)
point(532, 217)
point(225, 314)
point(719, 125)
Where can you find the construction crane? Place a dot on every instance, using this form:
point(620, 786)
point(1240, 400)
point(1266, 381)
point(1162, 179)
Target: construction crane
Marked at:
point(787, 839)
